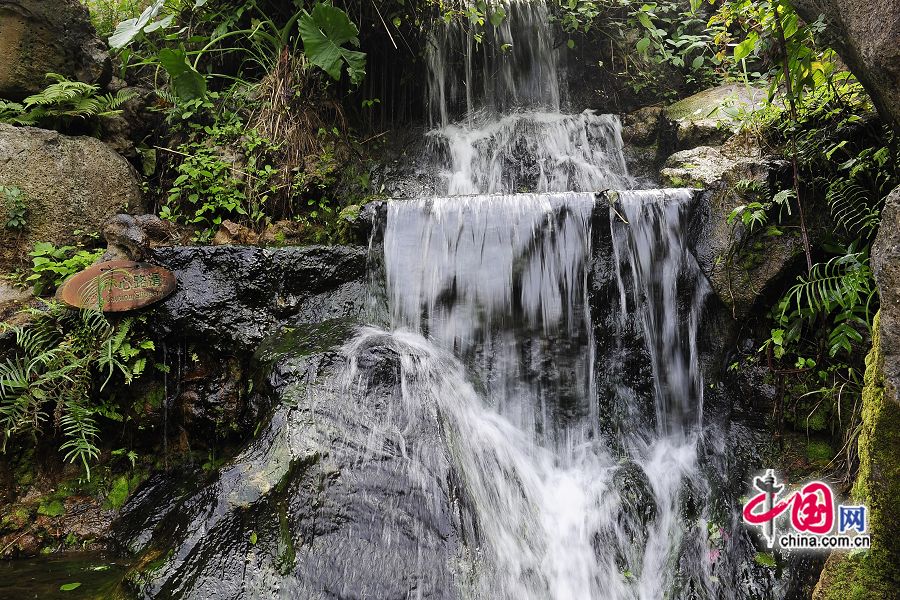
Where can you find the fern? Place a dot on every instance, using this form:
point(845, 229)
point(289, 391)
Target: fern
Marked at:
point(61, 102)
point(853, 207)
point(54, 364)
point(842, 288)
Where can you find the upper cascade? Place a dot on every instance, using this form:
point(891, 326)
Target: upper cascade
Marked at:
point(495, 102)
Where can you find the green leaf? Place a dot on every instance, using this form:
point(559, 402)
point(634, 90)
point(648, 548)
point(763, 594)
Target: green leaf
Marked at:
point(128, 30)
point(68, 587)
point(325, 31)
point(743, 50)
point(697, 62)
point(643, 44)
point(645, 21)
point(186, 82)
point(497, 17)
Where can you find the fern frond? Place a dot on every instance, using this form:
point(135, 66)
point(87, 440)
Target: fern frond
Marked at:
point(79, 426)
point(854, 207)
point(840, 282)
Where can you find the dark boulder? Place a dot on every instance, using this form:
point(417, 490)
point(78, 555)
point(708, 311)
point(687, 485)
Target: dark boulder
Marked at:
point(231, 297)
point(48, 36)
point(323, 503)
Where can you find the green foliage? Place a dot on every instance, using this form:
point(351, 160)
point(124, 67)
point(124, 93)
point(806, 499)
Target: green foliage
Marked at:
point(58, 367)
point(16, 209)
point(209, 188)
point(654, 41)
point(51, 265)
point(61, 103)
point(106, 14)
point(325, 31)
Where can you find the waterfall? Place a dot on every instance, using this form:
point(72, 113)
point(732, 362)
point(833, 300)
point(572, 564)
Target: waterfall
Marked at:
point(495, 107)
point(489, 295)
point(487, 291)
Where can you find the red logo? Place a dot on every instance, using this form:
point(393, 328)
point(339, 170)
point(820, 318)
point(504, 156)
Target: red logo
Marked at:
point(812, 507)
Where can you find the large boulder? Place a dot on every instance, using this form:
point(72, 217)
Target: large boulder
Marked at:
point(865, 33)
point(231, 297)
point(712, 116)
point(743, 264)
point(68, 183)
point(346, 492)
point(48, 36)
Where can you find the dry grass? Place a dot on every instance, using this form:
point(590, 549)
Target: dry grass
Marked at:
point(297, 114)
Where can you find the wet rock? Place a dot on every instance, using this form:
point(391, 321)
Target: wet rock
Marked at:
point(865, 34)
point(69, 184)
point(231, 297)
point(886, 266)
point(131, 237)
point(235, 234)
point(712, 116)
point(309, 509)
point(48, 36)
point(742, 264)
point(646, 134)
point(213, 399)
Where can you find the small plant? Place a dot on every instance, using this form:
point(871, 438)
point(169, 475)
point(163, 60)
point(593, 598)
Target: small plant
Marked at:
point(210, 188)
point(61, 103)
point(51, 265)
point(16, 209)
point(56, 371)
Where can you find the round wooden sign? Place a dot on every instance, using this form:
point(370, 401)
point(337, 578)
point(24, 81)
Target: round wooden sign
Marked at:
point(117, 286)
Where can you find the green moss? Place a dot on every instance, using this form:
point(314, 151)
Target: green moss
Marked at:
point(118, 493)
point(52, 508)
point(765, 559)
point(873, 574)
point(819, 452)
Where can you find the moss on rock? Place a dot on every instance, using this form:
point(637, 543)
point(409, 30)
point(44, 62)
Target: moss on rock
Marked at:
point(875, 574)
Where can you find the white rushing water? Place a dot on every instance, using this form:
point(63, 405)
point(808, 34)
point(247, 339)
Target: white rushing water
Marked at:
point(488, 293)
point(495, 108)
point(499, 285)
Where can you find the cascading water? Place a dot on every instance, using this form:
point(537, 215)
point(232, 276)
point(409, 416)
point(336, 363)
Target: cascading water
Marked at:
point(528, 424)
point(495, 106)
point(562, 505)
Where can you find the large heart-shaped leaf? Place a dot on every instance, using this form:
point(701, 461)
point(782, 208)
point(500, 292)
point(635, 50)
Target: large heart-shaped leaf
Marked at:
point(325, 31)
point(129, 29)
point(186, 82)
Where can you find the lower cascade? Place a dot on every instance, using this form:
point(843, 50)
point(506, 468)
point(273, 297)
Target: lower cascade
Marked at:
point(479, 439)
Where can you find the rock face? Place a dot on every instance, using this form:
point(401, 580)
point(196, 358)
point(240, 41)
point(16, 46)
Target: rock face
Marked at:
point(711, 116)
point(319, 505)
point(886, 265)
point(69, 183)
point(706, 119)
point(865, 34)
point(742, 264)
point(48, 36)
point(230, 297)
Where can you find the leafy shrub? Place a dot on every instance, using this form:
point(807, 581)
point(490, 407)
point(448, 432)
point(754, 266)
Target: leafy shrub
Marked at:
point(210, 188)
point(16, 209)
point(58, 367)
point(51, 265)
